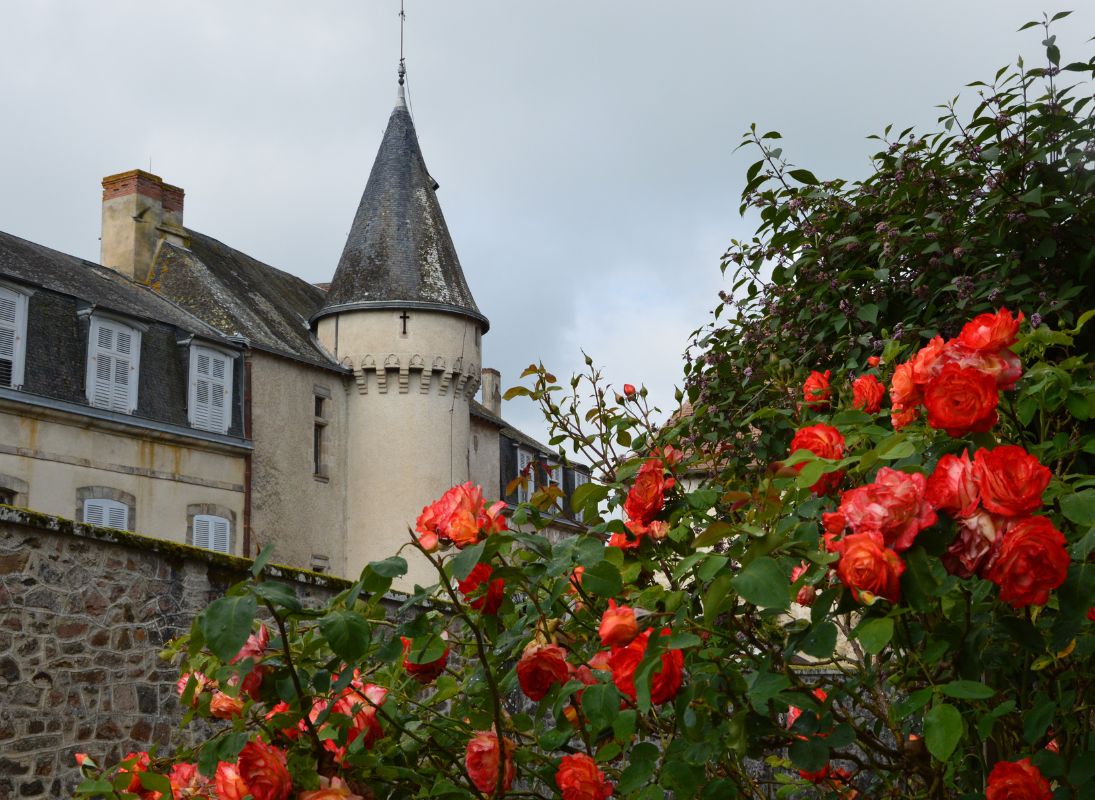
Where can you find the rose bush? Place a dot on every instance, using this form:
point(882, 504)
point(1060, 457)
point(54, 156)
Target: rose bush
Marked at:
point(798, 591)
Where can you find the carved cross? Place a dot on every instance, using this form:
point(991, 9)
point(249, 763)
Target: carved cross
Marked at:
point(404, 316)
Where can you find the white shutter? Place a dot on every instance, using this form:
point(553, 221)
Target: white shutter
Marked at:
point(13, 323)
point(210, 389)
point(580, 479)
point(212, 533)
point(113, 355)
point(106, 513)
point(524, 458)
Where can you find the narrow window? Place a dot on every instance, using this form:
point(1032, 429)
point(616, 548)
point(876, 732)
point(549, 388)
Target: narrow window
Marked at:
point(525, 469)
point(13, 327)
point(106, 514)
point(7, 497)
point(210, 399)
point(580, 479)
point(319, 437)
point(212, 533)
point(320, 563)
point(113, 358)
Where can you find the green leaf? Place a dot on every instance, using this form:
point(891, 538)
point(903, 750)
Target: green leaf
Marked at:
point(715, 533)
point(391, 567)
point(1079, 507)
point(874, 633)
point(279, 594)
point(602, 580)
point(260, 561)
point(764, 584)
point(465, 561)
point(682, 640)
point(942, 730)
point(226, 624)
point(820, 641)
point(426, 649)
point(763, 686)
point(803, 176)
point(714, 600)
point(868, 313)
point(1037, 720)
point(347, 633)
point(155, 783)
point(588, 494)
point(643, 760)
point(967, 690)
point(809, 755)
point(601, 704)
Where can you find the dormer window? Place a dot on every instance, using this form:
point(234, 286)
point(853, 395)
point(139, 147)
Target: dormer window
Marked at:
point(210, 398)
point(13, 337)
point(113, 361)
point(526, 470)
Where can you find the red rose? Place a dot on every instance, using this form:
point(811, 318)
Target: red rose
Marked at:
point(1004, 366)
point(904, 393)
point(961, 400)
point(360, 702)
point(815, 391)
point(541, 666)
point(824, 441)
point(991, 332)
point(629, 390)
point(952, 486)
point(330, 789)
point(426, 672)
point(894, 506)
point(230, 786)
point(869, 568)
point(873, 361)
point(486, 600)
point(1010, 479)
point(618, 626)
point(1091, 614)
point(1017, 780)
point(1032, 561)
point(974, 548)
point(135, 764)
point(262, 768)
point(460, 516)
point(291, 733)
point(807, 593)
point(899, 418)
point(664, 684)
point(927, 363)
point(647, 495)
point(867, 393)
point(186, 781)
point(579, 779)
point(482, 762)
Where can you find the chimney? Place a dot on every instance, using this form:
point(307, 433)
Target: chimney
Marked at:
point(139, 212)
point(492, 391)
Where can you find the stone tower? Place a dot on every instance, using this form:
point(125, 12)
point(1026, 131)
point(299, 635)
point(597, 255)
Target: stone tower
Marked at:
point(400, 314)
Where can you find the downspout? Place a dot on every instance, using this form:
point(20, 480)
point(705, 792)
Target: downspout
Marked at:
point(247, 458)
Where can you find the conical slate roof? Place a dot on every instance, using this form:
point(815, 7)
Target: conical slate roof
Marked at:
point(399, 253)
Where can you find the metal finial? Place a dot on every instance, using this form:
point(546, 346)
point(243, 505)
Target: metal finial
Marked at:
point(402, 60)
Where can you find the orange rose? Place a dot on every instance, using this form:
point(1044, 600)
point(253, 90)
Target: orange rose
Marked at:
point(664, 684)
point(333, 789)
point(927, 362)
point(618, 626)
point(904, 393)
point(262, 768)
point(487, 595)
point(1032, 562)
point(200, 682)
point(224, 706)
point(134, 765)
point(579, 779)
point(824, 441)
point(952, 486)
point(426, 672)
point(893, 505)
point(867, 393)
point(540, 667)
point(899, 418)
point(1010, 479)
point(460, 516)
point(961, 400)
point(230, 785)
point(1017, 780)
point(647, 495)
point(869, 568)
point(991, 332)
point(873, 361)
point(482, 758)
point(816, 392)
point(186, 781)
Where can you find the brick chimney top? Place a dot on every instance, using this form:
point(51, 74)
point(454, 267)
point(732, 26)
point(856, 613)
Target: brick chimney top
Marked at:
point(140, 212)
point(137, 181)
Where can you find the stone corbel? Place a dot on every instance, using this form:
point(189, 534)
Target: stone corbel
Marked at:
point(361, 374)
point(391, 361)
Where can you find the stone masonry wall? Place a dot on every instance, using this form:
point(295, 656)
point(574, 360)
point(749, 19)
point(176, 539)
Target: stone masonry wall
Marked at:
point(84, 613)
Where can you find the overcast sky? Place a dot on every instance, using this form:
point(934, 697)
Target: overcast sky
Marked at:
point(584, 149)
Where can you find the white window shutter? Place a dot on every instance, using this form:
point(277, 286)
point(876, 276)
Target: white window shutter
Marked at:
point(107, 514)
point(210, 389)
point(113, 355)
point(580, 479)
point(212, 533)
point(524, 458)
point(13, 325)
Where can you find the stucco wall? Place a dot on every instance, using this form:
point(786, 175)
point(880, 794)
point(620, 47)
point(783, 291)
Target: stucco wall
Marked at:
point(55, 457)
point(84, 613)
point(485, 467)
point(294, 509)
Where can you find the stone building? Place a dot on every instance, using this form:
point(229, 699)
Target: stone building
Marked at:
point(188, 391)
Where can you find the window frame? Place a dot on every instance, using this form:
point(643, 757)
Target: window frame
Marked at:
point(21, 298)
point(526, 490)
point(98, 322)
point(321, 407)
point(212, 519)
point(107, 505)
point(226, 384)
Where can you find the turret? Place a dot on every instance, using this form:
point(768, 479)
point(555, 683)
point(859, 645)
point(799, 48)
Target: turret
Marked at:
point(400, 314)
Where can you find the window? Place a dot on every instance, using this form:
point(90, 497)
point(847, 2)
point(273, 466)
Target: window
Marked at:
point(113, 358)
point(106, 514)
point(319, 434)
point(7, 497)
point(212, 533)
point(210, 398)
point(13, 327)
point(320, 563)
point(554, 475)
point(525, 491)
point(580, 479)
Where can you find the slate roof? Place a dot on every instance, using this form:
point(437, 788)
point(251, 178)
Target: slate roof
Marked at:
point(241, 296)
point(36, 265)
point(399, 253)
